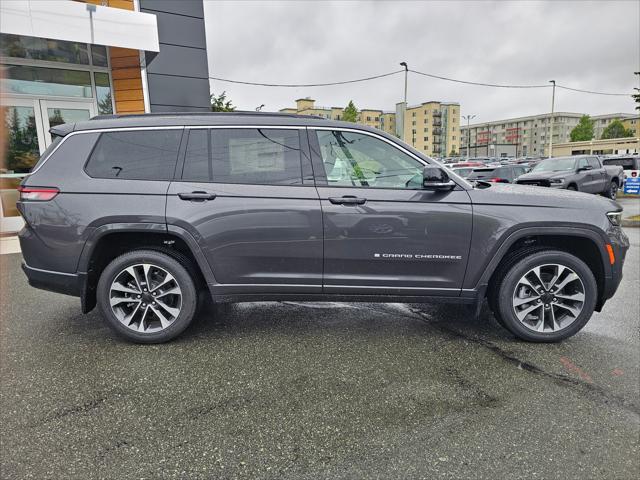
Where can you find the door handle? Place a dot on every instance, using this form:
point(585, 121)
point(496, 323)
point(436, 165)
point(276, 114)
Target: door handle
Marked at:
point(347, 200)
point(198, 196)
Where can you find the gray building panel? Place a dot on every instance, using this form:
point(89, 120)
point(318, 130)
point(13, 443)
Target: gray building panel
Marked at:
point(181, 30)
point(178, 76)
point(180, 61)
point(192, 8)
point(178, 91)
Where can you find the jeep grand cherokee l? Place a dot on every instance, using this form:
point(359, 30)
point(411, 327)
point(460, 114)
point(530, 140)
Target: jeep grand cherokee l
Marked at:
point(145, 214)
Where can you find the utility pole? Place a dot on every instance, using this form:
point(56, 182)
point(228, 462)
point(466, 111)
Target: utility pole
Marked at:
point(404, 105)
point(553, 104)
point(468, 119)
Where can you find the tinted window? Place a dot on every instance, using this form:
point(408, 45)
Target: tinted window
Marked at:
point(197, 167)
point(625, 163)
point(135, 155)
point(251, 156)
point(593, 161)
point(357, 160)
point(582, 162)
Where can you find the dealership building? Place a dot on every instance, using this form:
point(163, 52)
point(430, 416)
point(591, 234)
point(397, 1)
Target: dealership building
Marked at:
point(66, 61)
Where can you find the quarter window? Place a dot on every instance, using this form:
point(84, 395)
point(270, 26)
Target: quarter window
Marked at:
point(135, 155)
point(357, 160)
point(249, 156)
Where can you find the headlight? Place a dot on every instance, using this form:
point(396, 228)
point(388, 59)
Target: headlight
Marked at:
point(556, 181)
point(615, 218)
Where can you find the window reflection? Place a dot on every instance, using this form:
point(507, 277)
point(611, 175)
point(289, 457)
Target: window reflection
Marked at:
point(22, 139)
point(34, 48)
point(47, 81)
point(103, 93)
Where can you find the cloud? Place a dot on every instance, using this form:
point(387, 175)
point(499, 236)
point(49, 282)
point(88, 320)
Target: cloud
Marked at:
point(591, 45)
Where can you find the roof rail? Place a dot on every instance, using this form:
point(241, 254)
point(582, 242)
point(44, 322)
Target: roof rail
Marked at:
point(205, 114)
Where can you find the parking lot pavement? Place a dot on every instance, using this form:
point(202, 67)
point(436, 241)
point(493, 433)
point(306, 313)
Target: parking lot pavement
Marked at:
point(317, 391)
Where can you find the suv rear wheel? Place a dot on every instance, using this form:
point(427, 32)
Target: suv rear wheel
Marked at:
point(546, 296)
point(147, 296)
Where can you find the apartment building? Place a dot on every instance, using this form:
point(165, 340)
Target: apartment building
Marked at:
point(633, 124)
point(431, 127)
point(434, 128)
point(527, 136)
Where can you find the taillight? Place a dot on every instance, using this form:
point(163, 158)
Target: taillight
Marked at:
point(499, 180)
point(37, 194)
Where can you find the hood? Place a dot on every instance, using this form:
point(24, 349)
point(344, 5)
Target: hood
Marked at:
point(527, 196)
point(545, 175)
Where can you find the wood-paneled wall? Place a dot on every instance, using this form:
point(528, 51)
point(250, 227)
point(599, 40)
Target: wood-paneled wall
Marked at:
point(125, 70)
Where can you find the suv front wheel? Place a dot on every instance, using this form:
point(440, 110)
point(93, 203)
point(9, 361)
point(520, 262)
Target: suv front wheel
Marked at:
point(546, 296)
point(147, 296)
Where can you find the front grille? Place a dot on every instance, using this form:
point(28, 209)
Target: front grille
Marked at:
point(538, 183)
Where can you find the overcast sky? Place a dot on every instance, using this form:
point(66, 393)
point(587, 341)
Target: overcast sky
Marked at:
point(587, 45)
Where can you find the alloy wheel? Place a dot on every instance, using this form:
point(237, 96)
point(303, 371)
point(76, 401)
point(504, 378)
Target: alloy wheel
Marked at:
point(548, 298)
point(145, 298)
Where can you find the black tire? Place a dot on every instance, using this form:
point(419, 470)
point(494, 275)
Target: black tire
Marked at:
point(612, 191)
point(181, 274)
point(573, 187)
point(505, 286)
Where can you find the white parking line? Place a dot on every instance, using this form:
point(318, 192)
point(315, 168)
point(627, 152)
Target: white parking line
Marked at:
point(9, 245)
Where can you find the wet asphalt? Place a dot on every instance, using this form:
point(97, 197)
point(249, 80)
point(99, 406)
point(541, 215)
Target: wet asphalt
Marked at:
point(306, 391)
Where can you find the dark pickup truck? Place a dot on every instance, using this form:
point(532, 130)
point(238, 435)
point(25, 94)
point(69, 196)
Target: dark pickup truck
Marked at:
point(581, 173)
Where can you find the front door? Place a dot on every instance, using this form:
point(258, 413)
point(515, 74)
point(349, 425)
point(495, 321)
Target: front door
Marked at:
point(247, 196)
point(27, 121)
point(384, 234)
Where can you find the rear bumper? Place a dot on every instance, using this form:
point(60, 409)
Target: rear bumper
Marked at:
point(58, 282)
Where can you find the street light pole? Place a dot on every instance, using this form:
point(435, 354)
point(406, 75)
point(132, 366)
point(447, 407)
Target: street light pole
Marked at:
point(553, 104)
point(404, 105)
point(468, 119)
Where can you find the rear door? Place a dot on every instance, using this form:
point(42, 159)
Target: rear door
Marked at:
point(384, 234)
point(247, 196)
point(598, 175)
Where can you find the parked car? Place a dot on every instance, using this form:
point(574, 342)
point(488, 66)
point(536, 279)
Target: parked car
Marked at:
point(583, 173)
point(146, 215)
point(463, 172)
point(502, 174)
point(628, 163)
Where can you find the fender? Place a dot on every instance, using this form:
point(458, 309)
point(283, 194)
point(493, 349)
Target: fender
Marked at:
point(98, 233)
point(518, 232)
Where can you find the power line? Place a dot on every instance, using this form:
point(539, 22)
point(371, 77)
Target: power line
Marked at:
point(289, 85)
point(430, 75)
point(594, 93)
point(477, 83)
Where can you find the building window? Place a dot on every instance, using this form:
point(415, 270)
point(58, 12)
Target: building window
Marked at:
point(103, 93)
point(44, 49)
point(43, 81)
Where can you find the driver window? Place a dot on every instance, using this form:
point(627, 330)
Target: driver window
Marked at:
point(357, 160)
point(582, 163)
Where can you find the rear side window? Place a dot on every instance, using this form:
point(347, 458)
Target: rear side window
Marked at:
point(238, 155)
point(135, 155)
point(594, 163)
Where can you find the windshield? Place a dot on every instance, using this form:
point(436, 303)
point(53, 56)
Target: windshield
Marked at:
point(555, 165)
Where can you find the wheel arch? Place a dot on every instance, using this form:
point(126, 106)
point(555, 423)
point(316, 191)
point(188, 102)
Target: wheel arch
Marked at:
point(109, 241)
point(584, 243)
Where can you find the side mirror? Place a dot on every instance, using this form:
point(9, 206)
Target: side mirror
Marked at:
point(436, 179)
point(586, 167)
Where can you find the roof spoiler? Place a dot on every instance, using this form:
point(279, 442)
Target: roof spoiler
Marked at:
point(62, 130)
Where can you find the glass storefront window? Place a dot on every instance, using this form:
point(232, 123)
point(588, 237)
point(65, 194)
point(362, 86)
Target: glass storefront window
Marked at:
point(33, 48)
point(99, 55)
point(58, 116)
point(22, 139)
point(47, 81)
point(103, 93)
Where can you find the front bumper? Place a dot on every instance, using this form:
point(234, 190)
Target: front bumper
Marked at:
point(620, 244)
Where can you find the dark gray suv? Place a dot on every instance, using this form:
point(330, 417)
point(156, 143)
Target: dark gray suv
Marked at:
point(143, 214)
